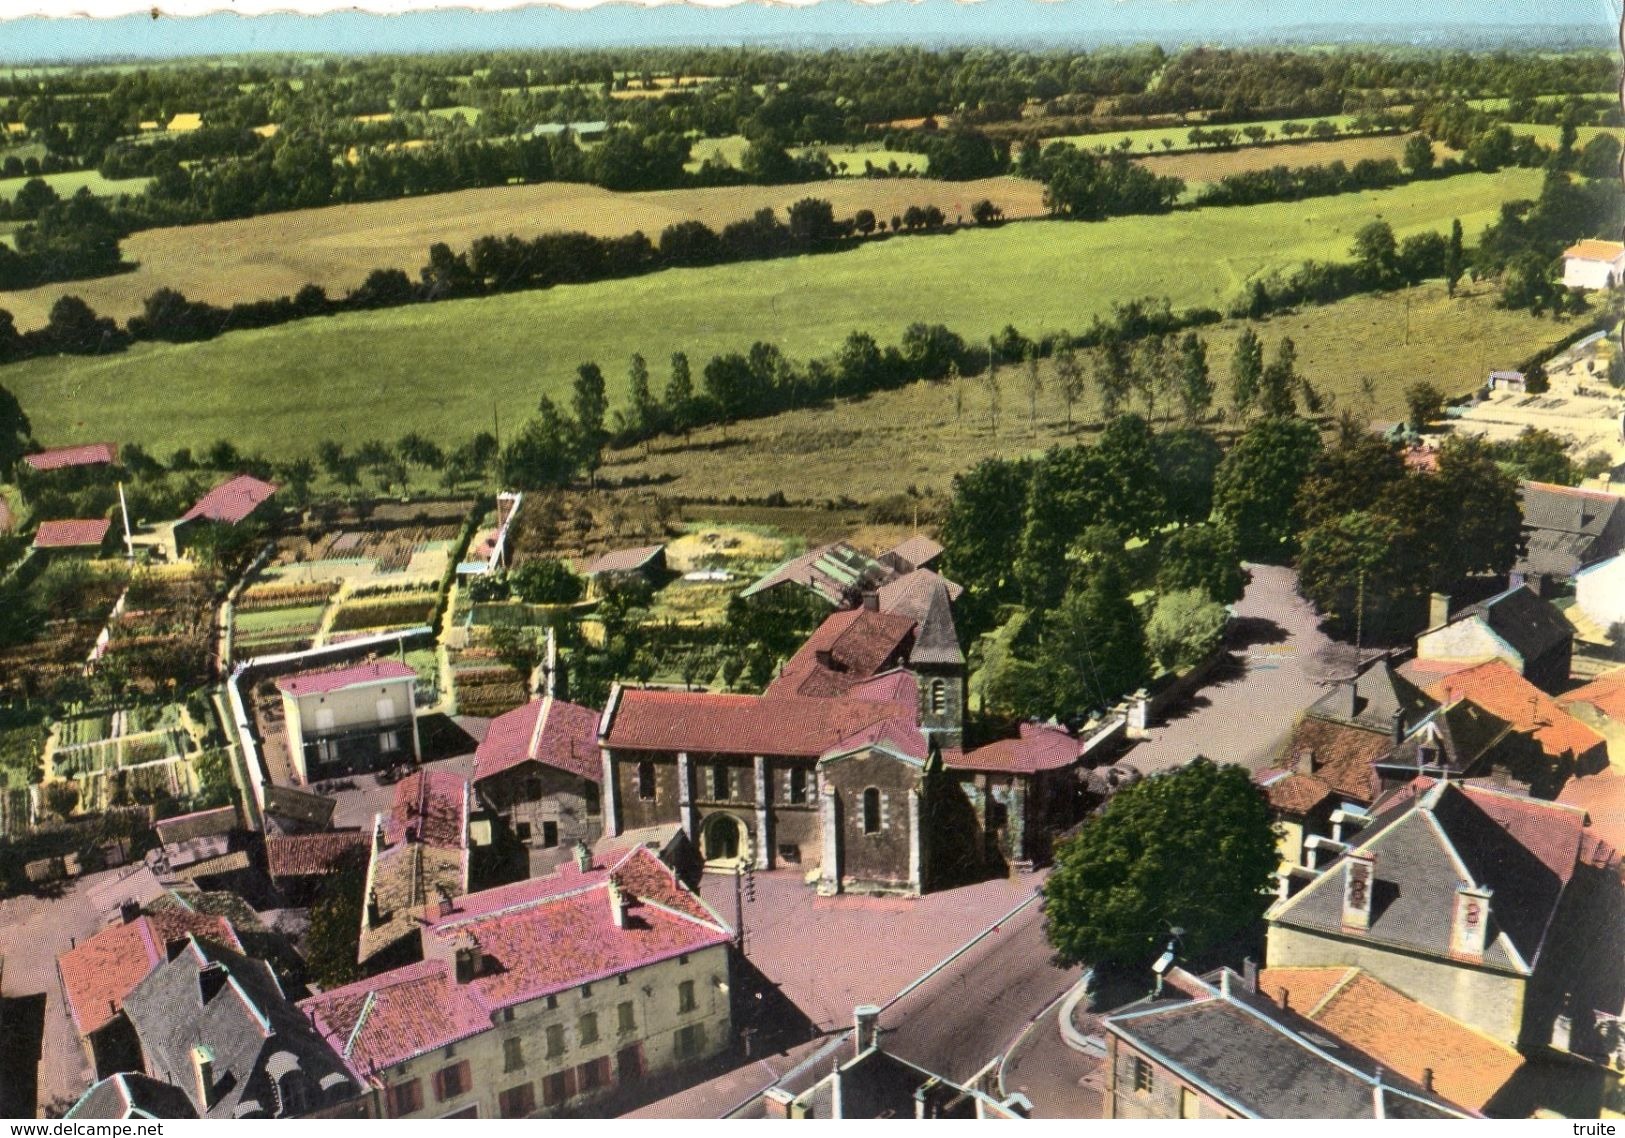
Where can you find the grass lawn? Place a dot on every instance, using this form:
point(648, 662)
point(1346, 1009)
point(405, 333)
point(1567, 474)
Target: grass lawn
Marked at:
point(69, 183)
point(1548, 134)
point(1196, 166)
point(274, 620)
point(1149, 139)
point(443, 369)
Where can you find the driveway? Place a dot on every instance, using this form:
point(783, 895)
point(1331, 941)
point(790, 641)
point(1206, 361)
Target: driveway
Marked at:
point(1281, 662)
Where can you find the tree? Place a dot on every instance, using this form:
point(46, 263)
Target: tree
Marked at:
point(1202, 557)
point(1418, 155)
point(591, 406)
point(1092, 646)
point(1034, 385)
point(979, 530)
point(1246, 371)
point(1187, 460)
point(680, 394)
point(1258, 481)
point(1376, 252)
point(62, 798)
point(517, 647)
point(545, 581)
point(990, 384)
point(1114, 374)
point(1069, 379)
point(1280, 382)
point(1186, 625)
point(1195, 384)
point(1425, 404)
point(546, 452)
point(333, 941)
point(15, 431)
point(1192, 849)
point(1455, 259)
point(644, 418)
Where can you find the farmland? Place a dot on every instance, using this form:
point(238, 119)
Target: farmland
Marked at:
point(1209, 165)
point(71, 182)
point(338, 246)
point(1150, 139)
point(442, 369)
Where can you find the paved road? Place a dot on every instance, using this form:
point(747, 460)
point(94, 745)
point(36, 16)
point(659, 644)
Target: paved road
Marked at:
point(1282, 661)
point(966, 1015)
point(1059, 1081)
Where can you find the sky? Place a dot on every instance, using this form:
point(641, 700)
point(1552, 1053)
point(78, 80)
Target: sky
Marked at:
point(26, 37)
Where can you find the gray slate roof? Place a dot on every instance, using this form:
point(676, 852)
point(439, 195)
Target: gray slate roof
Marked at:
point(1460, 736)
point(1532, 626)
point(1266, 1062)
point(1377, 693)
point(233, 1005)
point(1567, 529)
point(132, 1095)
point(927, 600)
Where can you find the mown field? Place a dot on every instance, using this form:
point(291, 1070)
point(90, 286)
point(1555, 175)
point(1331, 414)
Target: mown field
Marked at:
point(445, 369)
point(1150, 139)
point(338, 246)
point(72, 181)
point(1210, 165)
point(922, 435)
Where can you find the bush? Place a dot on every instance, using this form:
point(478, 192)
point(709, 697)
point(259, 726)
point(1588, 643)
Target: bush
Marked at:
point(1185, 627)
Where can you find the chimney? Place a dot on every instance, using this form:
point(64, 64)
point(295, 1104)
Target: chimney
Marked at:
point(1286, 1000)
point(446, 904)
point(1438, 610)
point(825, 658)
point(583, 857)
point(467, 958)
point(1249, 973)
point(375, 915)
point(1427, 1079)
point(1353, 707)
point(619, 902)
point(210, 979)
point(378, 841)
point(1305, 763)
point(1399, 726)
point(129, 911)
point(203, 1073)
point(1470, 921)
point(1359, 876)
point(866, 1018)
point(871, 601)
point(776, 1102)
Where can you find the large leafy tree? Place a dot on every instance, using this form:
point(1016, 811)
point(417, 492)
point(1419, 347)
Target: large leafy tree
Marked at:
point(545, 453)
point(1258, 482)
point(1092, 649)
point(982, 527)
point(1191, 849)
point(1202, 557)
point(14, 430)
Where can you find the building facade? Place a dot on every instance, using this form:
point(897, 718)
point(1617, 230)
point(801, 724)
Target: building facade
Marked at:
point(539, 769)
point(358, 717)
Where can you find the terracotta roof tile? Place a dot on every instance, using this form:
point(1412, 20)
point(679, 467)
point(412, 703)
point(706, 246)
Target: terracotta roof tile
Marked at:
point(1039, 747)
point(1345, 757)
point(71, 534)
point(311, 855)
point(387, 1019)
point(98, 973)
point(549, 731)
point(433, 803)
point(623, 560)
point(649, 720)
point(231, 501)
point(918, 551)
point(91, 454)
point(352, 675)
point(1594, 250)
point(1468, 1068)
point(1293, 793)
point(847, 648)
point(1499, 689)
point(1606, 693)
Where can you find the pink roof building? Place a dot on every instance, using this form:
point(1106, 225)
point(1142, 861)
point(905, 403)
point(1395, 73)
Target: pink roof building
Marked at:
point(89, 454)
point(231, 502)
point(76, 533)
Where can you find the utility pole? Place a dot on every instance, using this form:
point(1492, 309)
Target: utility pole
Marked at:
point(1359, 617)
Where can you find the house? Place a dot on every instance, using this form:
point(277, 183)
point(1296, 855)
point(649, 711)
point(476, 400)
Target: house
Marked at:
point(1515, 626)
point(188, 840)
point(300, 865)
point(1566, 744)
point(646, 563)
point(85, 536)
point(1514, 382)
point(231, 503)
point(1600, 705)
point(539, 769)
point(541, 997)
point(1482, 905)
point(290, 810)
point(1429, 1048)
point(1565, 529)
point(864, 1080)
point(1024, 791)
point(132, 1095)
point(85, 456)
point(1594, 264)
point(419, 859)
point(1216, 1047)
point(1599, 592)
point(98, 974)
point(837, 573)
point(354, 717)
point(916, 552)
point(215, 1024)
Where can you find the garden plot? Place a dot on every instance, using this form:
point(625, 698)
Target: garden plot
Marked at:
point(161, 639)
point(713, 564)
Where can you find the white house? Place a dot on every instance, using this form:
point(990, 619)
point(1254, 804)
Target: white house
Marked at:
point(1599, 590)
point(1594, 264)
point(356, 717)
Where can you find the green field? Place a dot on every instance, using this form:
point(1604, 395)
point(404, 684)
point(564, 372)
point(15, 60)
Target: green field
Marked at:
point(1550, 135)
point(444, 369)
point(1149, 140)
point(68, 184)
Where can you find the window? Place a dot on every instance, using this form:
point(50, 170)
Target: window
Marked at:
point(623, 979)
point(1188, 1106)
point(685, 996)
point(405, 1098)
point(594, 798)
point(629, 1063)
point(587, 1028)
point(798, 784)
point(449, 1082)
point(517, 1102)
point(690, 1040)
point(586, 991)
point(683, 959)
point(550, 835)
point(533, 790)
point(939, 697)
point(557, 1088)
point(871, 811)
point(552, 1003)
point(389, 742)
point(646, 781)
point(555, 1040)
point(1144, 1077)
point(513, 1054)
point(626, 1018)
point(522, 829)
point(591, 1076)
point(719, 783)
point(507, 1015)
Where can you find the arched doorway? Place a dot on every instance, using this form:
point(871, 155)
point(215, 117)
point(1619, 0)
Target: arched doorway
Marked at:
point(724, 842)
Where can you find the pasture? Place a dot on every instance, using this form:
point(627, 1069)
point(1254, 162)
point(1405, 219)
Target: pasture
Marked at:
point(1150, 139)
point(337, 246)
point(447, 369)
point(1210, 165)
point(70, 182)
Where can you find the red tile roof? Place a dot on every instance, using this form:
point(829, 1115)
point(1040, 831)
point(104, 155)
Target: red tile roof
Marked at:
point(1553, 832)
point(433, 803)
point(543, 935)
point(98, 973)
point(1038, 748)
point(548, 731)
point(848, 648)
point(623, 560)
point(648, 720)
point(1294, 793)
point(1344, 757)
point(1499, 689)
point(918, 551)
point(90, 454)
point(232, 501)
point(1591, 249)
point(72, 534)
point(1606, 693)
point(352, 675)
point(312, 855)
